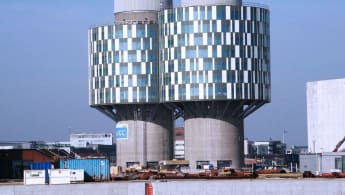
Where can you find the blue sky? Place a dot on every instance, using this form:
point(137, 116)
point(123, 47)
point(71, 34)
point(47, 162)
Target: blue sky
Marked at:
point(44, 68)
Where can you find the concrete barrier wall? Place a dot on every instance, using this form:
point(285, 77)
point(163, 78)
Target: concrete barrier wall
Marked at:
point(195, 187)
point(250, 187)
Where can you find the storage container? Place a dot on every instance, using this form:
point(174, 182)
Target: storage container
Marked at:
point(42, 166)
point(94, 169)
point(115, 170)
point(77, 175)
point(34, 177)
point(59, 176)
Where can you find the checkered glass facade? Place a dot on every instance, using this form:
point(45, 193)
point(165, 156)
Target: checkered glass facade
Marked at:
point(123, 64)
point(216, 52)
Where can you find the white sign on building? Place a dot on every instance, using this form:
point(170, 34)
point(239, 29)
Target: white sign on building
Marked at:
point(85, 139)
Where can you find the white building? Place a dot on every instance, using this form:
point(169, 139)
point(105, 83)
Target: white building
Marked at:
point(179, 149)
point(83, 140)
point(326, 114)
point(319, 163)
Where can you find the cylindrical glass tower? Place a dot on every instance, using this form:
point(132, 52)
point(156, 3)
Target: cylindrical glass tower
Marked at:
point(124, 81)
point(215, 61)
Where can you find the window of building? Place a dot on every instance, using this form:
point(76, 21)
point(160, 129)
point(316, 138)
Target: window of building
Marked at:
point(200, 163)
point(203, 52)
point(152, 165)
point(123, 69)
point(123, 44)
point(110, 32)
point(124, 93)
point(224, 164)
point(186, 77)
point(111, 82)
point(136, 68)
point(202, 12)
point(220, 12)
point(119, 33)
point(190, 52)
point(132, 164)
point(205, 26)
point(129, 31)
point(209, 12)
point(198, 39)
point(194, 90)
point(132, 56)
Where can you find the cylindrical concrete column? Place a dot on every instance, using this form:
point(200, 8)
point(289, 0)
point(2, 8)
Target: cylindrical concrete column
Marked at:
point(213, 140)
point(146, 142)
point(148, 137)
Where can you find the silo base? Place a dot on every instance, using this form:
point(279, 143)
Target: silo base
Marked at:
point(148, 138)
point(214, 141)
point(146, 142)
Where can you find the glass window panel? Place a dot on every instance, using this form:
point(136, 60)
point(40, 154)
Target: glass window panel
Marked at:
point(217, 76)
point(136, 68)
point(203, 52)
point(202, 12)
point(181, 40)
point(132, 56)
point(129, 31)
point(181, 65)
point(186, 77)
point(186, 11)
point(198, 39)
point(123, 69)
point(190, 52)
point(194, 77)
point(119, 33)
point(217, 38)
point(206, 26)
point(123, 44)
point(207, 64)
point(209, 12)
point(220, 12)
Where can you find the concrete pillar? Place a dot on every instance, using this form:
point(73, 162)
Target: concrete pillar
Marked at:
point(149, 138)
point(212, 140)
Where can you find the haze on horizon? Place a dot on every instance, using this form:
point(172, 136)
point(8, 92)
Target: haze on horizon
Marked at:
point(44, 67)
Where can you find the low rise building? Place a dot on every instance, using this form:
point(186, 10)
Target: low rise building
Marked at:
point(325, 162)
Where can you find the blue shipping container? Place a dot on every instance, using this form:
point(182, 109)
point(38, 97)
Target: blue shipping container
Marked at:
point(41, 166)
point(94, 169)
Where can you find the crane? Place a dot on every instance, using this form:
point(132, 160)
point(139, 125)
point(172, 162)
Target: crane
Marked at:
point(339, 144)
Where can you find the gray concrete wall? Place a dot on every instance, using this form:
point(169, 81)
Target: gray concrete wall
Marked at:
point(146, 142)
point(250, 187)
point(202, 187)
point(213, 139)
point(119, 188)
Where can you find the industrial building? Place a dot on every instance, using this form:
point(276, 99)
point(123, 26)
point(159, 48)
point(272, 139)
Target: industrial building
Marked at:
point(326, 162)
point(205, 61)
point(269, 147)
point(326, 114)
